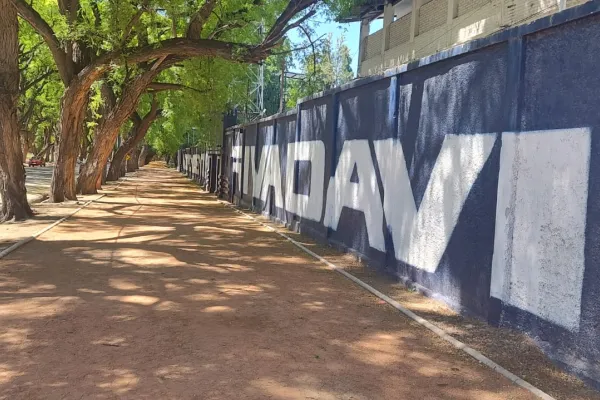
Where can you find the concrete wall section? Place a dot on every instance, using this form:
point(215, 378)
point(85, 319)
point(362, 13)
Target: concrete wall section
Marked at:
point(474, 176)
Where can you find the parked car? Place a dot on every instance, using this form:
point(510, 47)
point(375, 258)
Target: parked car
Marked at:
point(37, 161)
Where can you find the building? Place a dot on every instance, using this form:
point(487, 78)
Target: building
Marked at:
point(417, 28)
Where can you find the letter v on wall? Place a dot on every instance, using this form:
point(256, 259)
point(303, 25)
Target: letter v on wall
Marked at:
point(421, 236)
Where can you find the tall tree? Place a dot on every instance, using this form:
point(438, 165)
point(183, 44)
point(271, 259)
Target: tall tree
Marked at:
point(87, 39)
point(39, 91)
point(139, 128)
point(196, 116)
point(326, 66)
point(12, 174)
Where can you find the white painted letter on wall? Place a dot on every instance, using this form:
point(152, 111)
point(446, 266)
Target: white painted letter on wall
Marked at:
point(421, 236)
point(362, 195)
point(308, 206)
point(236, 158)
point(249, 169)
point(539, 259)
point(187, 159)
point(196, 164)
point(268, 174)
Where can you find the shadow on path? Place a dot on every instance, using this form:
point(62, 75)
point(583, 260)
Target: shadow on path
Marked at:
point(158, 291)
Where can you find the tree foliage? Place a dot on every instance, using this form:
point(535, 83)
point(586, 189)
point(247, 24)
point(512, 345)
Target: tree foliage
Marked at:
point(328, 66)
point(104, 59)
point(40, 89)
point(211, 86)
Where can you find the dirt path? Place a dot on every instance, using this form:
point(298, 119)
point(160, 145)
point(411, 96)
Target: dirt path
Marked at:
point(159, 292)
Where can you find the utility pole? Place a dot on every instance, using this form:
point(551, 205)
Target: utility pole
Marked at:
point(282, 86)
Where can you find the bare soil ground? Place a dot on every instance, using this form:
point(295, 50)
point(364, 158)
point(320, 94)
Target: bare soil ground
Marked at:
point(45, 214)
point(157, 291)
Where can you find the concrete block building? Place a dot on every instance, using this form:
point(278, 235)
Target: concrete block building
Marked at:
point(417, 28)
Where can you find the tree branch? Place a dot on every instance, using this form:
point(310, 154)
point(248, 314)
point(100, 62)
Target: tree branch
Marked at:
point(293, 8)
point(37, 80)
point(135, 118)
point(36, 21)
point(314, 51)
point(200, 18)
point(33, 48)
point(297, 24)
point(155, 87)
point(187, 48)
point(108, 94)
point(310, 44)
point(97, 15)
point(224, 28)
point(132, 23)
point(169, 51)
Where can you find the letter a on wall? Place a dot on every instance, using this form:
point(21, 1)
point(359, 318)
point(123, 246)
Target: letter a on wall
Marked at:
point(421, 236)
point(268, 174)
point(362, 195)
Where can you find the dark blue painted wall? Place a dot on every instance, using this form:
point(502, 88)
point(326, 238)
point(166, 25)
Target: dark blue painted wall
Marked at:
point(541, 76)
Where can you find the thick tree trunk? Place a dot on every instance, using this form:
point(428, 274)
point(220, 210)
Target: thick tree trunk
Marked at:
point(137, 134)
point(12, 174)
point(114, 172)
point(24, 145)
point(70, 130)
point(123, 168)
point(49, 154)
point(135, 156)
point(130, 162)
point(143, 155)
point(84, 148)
point(108, 131)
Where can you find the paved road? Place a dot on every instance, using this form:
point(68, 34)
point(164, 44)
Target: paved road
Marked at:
point(38, 183)
point(38, 180)
point(157, 291)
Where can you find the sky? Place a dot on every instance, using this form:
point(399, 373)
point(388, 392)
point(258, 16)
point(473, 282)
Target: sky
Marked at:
point(322, 26)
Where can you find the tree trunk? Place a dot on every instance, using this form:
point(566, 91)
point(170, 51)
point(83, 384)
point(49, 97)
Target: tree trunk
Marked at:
point(114, 172)
point(138, 132)
point(24, 144)
point(143, 155)
point(49, 155)
point(130, 162)
point(12, 174)
point(108, 131)
point(70, 130)
point(135, 156)
point(84, 147)
point(122, 168)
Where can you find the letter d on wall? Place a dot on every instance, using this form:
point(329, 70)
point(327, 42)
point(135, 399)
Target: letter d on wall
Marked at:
point(307, 206)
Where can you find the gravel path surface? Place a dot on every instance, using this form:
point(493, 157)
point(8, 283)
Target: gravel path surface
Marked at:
point(157, 291)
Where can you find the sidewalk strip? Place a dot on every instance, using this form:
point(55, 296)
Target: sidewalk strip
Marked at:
point(28, 239)
point(422, 321)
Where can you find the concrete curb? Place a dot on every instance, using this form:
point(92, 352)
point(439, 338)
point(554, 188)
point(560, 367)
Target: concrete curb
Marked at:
point(28, 239)
point(422, 321)
point(37, 198)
